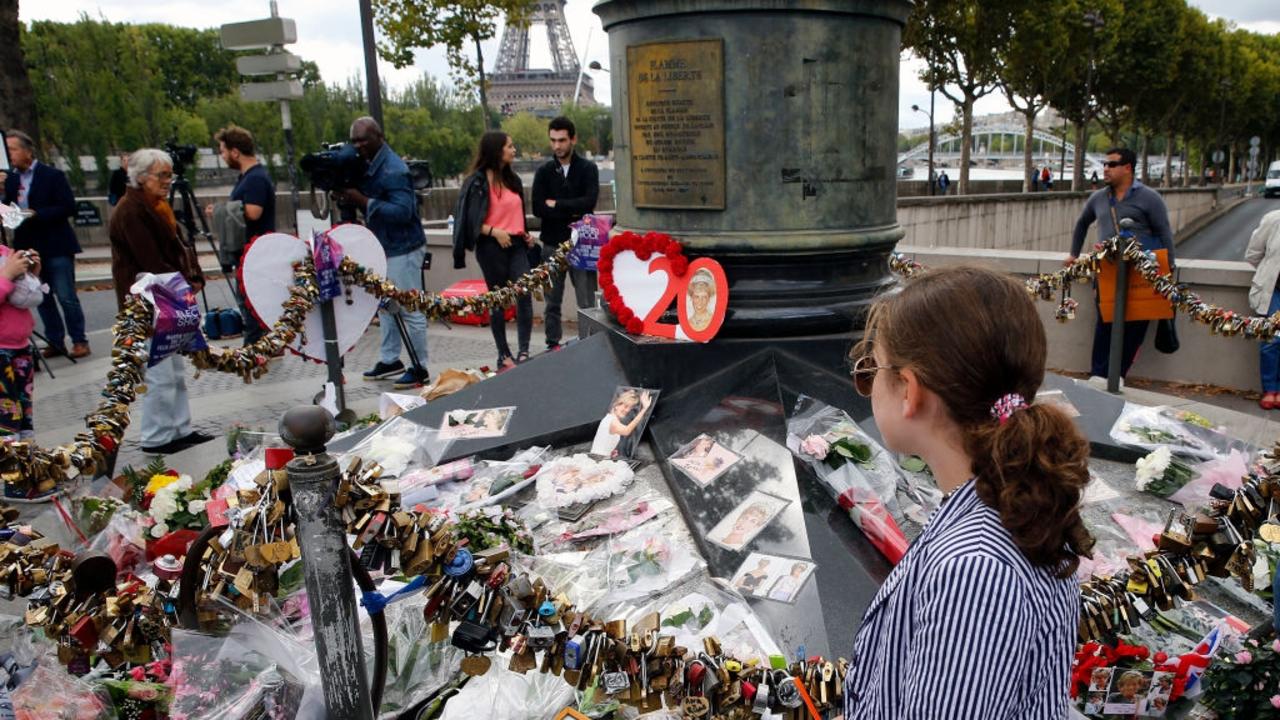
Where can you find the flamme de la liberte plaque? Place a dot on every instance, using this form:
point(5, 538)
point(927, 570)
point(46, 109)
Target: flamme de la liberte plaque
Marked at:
point(676, 98)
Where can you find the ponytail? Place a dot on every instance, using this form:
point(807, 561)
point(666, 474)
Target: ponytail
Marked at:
point(1032, 469)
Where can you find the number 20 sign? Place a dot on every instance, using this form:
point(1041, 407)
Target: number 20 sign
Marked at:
point(641, 276)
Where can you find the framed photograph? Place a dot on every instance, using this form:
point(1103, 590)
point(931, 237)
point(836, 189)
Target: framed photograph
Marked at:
point(1128, 690)
point(772, 577)
point(703, 460)
point(1157, 703)
point(619, 431)
point(737, 529)
point(482, 423)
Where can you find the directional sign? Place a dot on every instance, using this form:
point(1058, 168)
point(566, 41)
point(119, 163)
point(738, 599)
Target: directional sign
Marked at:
point(268, 91)
point(269, 64)
point(259, 33)
point(1253, 151)
point(1255, 141)
point(1219, 156)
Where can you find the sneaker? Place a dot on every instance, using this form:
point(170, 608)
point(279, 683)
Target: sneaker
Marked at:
point(552, 347)
point(383, 370)
point(412, 378)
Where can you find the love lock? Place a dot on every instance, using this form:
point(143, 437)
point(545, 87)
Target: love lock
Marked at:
point(541, 637)
point(788, 694)
point(696, 707)
point(616, 682)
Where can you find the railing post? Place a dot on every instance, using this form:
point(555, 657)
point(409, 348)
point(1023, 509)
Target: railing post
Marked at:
point(1117, 320)
point(326, 561)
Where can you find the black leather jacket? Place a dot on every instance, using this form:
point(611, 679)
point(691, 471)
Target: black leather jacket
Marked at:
point(469, 215)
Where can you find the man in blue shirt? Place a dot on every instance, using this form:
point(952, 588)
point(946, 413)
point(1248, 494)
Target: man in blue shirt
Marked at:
point(391, 211)
point(1130, 199)
point(43, 188)
point(255, 189)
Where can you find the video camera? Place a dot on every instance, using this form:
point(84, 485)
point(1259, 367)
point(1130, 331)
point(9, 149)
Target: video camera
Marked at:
point(335, 168)
point(180, 155)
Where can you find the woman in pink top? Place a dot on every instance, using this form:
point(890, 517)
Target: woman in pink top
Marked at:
point(494, 195)
point(17, 369)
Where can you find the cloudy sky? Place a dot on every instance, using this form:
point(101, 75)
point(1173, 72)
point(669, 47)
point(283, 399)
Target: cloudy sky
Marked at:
point(329, 34)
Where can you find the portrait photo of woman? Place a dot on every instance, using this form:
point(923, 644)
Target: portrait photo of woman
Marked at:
point(700, 300)
point(621, 427)
point(737, 529)
point(704, 460)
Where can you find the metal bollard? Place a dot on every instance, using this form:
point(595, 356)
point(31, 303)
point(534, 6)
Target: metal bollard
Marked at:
point(326, 561)
point(1116, 354)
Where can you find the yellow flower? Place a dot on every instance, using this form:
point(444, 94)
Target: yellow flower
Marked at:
point(159, 481)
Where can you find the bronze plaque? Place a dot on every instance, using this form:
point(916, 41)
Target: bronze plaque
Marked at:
point(676, 98)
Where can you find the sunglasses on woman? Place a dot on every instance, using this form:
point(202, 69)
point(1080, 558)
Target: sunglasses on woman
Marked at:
point(864, 373)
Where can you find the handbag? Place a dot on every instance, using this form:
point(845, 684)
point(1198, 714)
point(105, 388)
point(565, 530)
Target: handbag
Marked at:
point(1166, 336)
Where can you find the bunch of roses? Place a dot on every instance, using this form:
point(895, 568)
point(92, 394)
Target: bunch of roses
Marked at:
point(169, 503)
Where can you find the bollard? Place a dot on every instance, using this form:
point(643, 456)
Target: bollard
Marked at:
point(326, 561)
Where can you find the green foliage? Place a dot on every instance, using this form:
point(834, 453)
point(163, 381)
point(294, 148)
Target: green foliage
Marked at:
point(528, 132)
point(594, 125)
point(1237, 690)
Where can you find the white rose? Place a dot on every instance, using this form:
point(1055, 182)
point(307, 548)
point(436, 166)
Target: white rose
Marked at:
point(195, 507)
point(159, 530)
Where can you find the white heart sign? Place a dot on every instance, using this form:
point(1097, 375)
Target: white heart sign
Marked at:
point(266, 274)
point(640, 289)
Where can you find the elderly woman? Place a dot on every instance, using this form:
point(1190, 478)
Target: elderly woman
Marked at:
point(144, 239)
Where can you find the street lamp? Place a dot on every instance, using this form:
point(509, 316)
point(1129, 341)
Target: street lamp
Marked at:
point(1093, 22)
point(916, 108)
point(595, 65)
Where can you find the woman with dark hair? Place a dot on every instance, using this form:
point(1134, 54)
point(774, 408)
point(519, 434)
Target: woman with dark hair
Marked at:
point(988, 589)
point(489, 219)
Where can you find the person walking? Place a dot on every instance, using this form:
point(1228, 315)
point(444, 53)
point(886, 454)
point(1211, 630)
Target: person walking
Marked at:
point(144, 239)
point(43, 188)
point(257, 197)
point(1123, 197)
point(988, 589)
point(943, 182)
point(1263, 253)
point(489, 220)
point(119, 181)
point(1046, 178)
point(391, 212)
point(564, 189)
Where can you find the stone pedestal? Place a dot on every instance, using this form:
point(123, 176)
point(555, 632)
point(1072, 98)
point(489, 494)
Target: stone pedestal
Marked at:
point(761, 133)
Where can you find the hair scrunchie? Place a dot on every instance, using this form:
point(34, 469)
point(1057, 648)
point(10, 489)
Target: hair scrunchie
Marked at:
point(1006, 406)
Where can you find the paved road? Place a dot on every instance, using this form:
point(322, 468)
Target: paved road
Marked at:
point(1226, 237)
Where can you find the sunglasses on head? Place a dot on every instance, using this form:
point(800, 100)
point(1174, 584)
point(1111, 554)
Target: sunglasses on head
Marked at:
point(864, 373)
point(1113, 163)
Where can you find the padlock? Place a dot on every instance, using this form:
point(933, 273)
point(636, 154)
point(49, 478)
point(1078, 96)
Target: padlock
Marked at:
point(540, 637)
point(788, 693)
point(574, 652)
point(616, 682)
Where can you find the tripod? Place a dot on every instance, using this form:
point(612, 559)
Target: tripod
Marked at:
point(187, 217)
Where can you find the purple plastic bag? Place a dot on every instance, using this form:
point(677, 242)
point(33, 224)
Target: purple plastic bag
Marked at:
point(176, 326)
point(327, 255)
point(590, 234)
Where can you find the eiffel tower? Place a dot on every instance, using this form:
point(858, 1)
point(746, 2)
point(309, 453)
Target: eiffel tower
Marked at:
point(515, 87)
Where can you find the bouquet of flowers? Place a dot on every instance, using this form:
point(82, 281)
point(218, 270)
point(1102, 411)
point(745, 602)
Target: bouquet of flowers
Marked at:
point(861, 476)
point(1161, 474)
point(169, 500)
point(489, 527)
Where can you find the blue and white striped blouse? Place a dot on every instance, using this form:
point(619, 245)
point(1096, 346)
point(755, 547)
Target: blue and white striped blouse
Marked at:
point(965, 627)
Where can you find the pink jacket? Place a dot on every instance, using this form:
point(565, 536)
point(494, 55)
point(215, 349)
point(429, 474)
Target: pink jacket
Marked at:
point(16, 323)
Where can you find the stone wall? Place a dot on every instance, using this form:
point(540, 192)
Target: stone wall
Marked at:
point(1029, 221)
point(1203, 358)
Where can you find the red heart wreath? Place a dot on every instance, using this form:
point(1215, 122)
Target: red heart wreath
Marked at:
point(644, 246)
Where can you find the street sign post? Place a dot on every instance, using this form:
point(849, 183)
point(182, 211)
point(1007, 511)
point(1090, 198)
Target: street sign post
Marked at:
point(271, 34)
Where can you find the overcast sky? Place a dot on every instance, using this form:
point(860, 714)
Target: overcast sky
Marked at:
point(329, 34)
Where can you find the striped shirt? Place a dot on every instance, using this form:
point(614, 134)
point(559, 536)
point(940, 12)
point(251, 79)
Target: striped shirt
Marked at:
point(965, 627)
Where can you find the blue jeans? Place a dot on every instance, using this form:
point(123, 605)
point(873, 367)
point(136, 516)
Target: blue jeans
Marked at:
point(405, 272)
point(1269, 355)
point(59, 271)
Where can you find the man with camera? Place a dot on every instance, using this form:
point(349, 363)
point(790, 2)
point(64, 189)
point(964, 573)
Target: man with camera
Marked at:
point(390, 207)
point(255, 195)
point(44, 189)
point(564, 189)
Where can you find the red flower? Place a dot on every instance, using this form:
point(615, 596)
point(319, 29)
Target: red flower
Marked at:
point(604, 265)
point(1161, 658)
point(674, 248)
point(635, 326)
point(625, 315)
point(680, 265)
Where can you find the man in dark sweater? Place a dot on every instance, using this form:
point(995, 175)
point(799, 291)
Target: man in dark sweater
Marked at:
point(564, 189)
point(1144, 206)
point(44, 189)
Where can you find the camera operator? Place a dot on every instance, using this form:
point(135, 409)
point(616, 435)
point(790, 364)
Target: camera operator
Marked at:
point(391, 211)
point(254, 196)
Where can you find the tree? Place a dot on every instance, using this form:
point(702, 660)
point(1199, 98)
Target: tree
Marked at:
point(955, 38)
point(191, 63)
point(528, 132)
point(594, 124)
point(1031, 63)
point(412, 24)
point(17, 98)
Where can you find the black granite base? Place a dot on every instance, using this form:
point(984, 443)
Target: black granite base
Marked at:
point(740, 391)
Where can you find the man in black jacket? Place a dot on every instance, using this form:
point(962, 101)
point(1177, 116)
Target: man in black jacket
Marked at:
point(564, 189)
point(44, 189)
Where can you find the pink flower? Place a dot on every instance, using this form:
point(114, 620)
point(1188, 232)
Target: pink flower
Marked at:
point(815, 446)
point(1275, 646)
point(1275, 701)
point(1244, 657)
